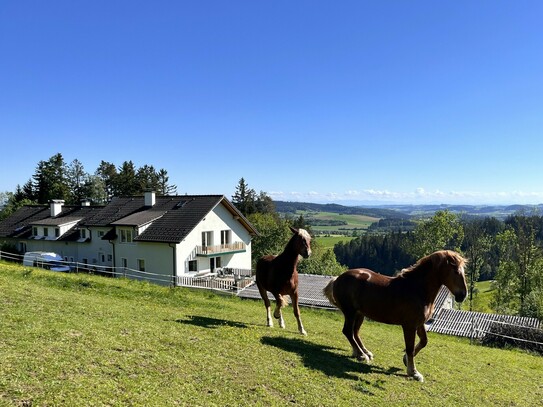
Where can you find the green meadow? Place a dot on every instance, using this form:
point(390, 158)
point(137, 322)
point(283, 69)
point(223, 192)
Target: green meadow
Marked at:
point(80, 340)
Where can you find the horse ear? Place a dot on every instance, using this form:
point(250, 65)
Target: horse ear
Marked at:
point(293, 230)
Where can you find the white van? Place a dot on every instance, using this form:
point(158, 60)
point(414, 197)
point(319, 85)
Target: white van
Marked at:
point(46, 260)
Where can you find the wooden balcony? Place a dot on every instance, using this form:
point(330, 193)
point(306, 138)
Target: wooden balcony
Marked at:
point(209, 251)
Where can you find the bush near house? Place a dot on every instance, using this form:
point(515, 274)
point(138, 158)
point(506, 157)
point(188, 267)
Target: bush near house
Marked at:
point(505, 335)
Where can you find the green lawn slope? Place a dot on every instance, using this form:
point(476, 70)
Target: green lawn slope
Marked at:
point(77, 340)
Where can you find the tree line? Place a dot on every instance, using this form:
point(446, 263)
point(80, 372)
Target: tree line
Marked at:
point(56, 179)
point(509, 252)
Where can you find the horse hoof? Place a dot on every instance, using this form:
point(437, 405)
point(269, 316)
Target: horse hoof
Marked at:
point(363, 358)
point(370, 355)
point(303, 332)
point(418, 377)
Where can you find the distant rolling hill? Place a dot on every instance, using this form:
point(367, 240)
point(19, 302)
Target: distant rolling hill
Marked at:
point(374, 212)
point(408, 211)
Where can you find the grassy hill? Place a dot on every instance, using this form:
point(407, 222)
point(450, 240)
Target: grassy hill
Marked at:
point(75, 340)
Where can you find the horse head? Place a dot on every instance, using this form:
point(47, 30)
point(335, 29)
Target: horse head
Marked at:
point(451, 265)
point(302, 242)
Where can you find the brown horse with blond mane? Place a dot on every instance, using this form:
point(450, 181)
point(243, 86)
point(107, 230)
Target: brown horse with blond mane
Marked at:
point(278, 275)
point(406, 300)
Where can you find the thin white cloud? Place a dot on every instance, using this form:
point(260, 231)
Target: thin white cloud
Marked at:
point(418, 196)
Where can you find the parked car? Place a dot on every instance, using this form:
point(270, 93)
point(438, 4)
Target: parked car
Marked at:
point(46, 260)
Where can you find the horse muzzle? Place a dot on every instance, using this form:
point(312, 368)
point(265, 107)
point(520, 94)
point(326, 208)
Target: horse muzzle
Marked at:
point(460, 296)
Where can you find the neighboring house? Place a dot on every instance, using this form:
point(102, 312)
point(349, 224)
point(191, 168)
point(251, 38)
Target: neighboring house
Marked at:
point(165, 236)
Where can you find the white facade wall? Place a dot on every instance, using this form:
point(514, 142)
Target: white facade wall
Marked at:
point(94, 252)
point(157, 257)
point(215, 221)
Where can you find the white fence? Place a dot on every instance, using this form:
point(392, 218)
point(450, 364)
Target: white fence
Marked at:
point(225, 279)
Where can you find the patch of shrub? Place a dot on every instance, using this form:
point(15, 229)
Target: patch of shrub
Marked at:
point(504, 335)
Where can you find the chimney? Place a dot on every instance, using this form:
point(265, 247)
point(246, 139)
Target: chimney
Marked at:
point(56, 207)
point(85, 202)
point(149, 198)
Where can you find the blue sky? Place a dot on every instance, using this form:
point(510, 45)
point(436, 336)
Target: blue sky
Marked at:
point(352, 101)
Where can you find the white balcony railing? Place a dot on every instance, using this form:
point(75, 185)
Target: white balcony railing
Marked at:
point(236, 247)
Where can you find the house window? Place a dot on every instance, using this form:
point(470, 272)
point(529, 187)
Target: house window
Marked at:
point(101, 233)
point(126, 235)
point(57, 232)
point(102, 257)
point(46, 232)
point(35, 231)
point(109, 257)
point(141, 264)
point(217, 262)
point(193, 265)
point(124, 262)
point(83, 233)
point(225, 237)
point(207, 238)
point(22, 247)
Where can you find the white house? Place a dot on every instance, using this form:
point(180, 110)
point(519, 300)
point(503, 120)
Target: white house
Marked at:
point(168, 237)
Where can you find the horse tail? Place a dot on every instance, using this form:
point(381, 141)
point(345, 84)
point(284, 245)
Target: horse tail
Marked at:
point(328, 291)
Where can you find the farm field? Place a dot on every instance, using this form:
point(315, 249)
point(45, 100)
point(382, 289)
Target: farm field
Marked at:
point(329, 241)
point(351, 222)
point(73, 339)
point(481, 302)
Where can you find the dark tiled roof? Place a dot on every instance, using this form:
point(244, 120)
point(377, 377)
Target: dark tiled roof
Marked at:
point(58, 221)
point(175, 224)
point(118, 208)
point(172, 218)
point(19, 224)
point(145, 214)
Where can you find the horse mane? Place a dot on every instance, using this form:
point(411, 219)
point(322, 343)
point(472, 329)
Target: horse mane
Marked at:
point(304, 233)
point(432, 259)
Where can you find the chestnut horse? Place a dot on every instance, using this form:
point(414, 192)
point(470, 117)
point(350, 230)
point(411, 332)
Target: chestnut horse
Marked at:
point(406, 300)
point(278, 275)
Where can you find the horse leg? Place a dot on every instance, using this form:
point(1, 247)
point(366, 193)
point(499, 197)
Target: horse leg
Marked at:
point(294, 298)
point(421, 332)
point(264, 295)
point(359, 319)
point(408, 359)
point(279, 302)
point(348, 331)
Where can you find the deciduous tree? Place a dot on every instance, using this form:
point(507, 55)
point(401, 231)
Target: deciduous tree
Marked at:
point(442, 231)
